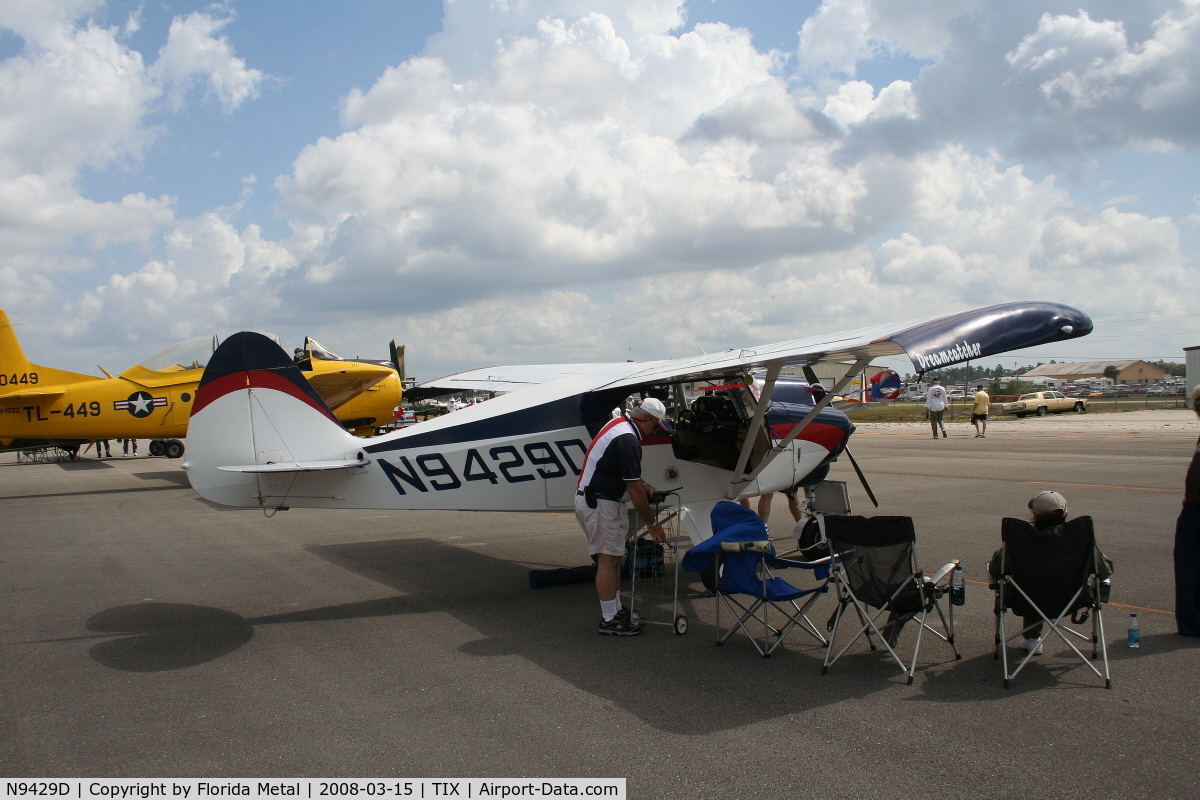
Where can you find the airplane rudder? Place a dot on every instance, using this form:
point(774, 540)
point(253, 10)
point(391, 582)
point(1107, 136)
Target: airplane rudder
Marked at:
point(12, 356)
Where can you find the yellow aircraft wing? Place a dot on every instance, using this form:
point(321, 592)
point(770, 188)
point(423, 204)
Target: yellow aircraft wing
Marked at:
point(340, 384)
point(40, 395)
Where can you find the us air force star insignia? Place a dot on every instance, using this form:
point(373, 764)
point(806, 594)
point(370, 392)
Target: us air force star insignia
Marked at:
point(140, 404)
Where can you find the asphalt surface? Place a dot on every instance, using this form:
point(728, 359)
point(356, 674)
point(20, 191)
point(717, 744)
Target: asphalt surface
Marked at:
point(146, 633)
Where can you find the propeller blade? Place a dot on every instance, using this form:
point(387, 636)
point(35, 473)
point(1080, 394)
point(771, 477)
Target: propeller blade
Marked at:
point(397, 354)
point(862, 478)
point(811, 377)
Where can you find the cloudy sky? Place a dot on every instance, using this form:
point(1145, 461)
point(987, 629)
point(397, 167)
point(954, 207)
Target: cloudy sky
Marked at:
point(530, 181)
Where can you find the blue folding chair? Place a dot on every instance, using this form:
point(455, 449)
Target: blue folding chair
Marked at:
point(745, 557)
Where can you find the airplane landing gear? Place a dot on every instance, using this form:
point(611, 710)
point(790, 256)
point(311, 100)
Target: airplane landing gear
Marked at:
point(171, 448)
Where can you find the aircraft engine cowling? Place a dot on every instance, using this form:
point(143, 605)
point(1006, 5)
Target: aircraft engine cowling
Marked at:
point(821, 441)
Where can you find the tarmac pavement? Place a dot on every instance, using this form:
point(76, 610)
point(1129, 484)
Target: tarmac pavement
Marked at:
point(147, 633)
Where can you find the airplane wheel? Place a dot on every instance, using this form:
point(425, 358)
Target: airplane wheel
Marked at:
point(174, 448)
point(681, 625)
point(158, 447)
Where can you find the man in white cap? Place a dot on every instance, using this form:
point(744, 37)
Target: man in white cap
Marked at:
point(612, 473)
point(935, 401)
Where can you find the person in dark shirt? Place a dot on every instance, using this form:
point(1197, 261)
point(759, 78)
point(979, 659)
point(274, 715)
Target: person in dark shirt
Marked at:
point(1187, 545)
point(1049, 514)
point(612, 472)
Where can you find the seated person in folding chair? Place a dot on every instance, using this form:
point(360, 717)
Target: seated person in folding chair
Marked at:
point(1049, 514)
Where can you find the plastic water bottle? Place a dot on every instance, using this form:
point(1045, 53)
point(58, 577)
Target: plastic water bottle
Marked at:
point(958, 587)
point(1135, 631)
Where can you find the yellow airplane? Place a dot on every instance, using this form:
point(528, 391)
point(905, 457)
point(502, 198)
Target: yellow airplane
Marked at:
point(42, 406)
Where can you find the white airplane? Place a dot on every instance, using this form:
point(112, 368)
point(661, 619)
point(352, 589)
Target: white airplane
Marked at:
point(260, 436)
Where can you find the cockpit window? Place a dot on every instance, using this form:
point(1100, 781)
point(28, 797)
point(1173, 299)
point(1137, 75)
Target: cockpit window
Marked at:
point(323, 353)
point(189, 354)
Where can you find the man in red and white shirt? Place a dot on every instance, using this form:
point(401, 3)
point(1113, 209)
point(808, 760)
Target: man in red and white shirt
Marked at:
point(611, 474)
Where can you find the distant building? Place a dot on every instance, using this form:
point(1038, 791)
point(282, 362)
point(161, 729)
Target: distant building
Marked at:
point(1130, 371)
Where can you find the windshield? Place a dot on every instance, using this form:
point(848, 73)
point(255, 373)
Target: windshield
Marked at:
point(189, 354)
point(318, 351)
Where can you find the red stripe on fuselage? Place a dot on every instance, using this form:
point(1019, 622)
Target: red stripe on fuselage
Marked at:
point(258, 378)
point(215, 390)
point(827, 436)
point(265, 379)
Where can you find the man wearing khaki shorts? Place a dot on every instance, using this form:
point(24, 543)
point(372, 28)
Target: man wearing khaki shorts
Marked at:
point(612, 472)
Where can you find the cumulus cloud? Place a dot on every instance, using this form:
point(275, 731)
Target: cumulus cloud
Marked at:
point(77, 99)
point(571, 180)
point(195, 54)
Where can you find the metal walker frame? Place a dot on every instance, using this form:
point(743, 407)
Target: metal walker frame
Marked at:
point(654, 587)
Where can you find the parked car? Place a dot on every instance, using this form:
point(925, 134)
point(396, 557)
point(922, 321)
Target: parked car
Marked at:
point(955, 394)
point(1043, 403)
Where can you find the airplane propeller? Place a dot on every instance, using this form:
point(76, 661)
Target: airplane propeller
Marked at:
point(811, 377)
point(862, 478)
point(397, 354)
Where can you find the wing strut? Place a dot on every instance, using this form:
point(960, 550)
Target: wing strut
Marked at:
point(760, 416)
point(858, 367)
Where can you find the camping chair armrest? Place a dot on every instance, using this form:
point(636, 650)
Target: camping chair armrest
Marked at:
point(791, 562)
point(943, 572)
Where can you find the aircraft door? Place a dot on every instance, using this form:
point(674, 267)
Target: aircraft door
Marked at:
point(179, 410)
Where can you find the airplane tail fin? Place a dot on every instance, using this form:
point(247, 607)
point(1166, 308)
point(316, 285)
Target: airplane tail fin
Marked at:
point(18, 374)
point(253, 410)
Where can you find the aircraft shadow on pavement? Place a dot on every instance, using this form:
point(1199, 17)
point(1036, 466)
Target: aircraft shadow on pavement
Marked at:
point(176, 476)
point(76, 466)
point(165, 636)
point(681, 684)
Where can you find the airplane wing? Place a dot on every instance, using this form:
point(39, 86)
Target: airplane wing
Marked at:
point(340, 386)
point(497, 379)
point(39, 395)
point(929, 342)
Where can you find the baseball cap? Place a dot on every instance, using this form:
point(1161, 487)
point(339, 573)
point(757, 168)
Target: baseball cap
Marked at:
point(652, 406)
point(1045, 502)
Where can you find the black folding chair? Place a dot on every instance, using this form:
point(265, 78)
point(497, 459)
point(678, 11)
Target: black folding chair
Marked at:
point(1051, 576)
point(876, 574)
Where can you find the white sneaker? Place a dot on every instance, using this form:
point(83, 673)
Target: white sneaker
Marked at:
point(1033, 645)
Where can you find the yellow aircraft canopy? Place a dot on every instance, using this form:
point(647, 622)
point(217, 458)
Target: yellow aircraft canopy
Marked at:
point(189, 354)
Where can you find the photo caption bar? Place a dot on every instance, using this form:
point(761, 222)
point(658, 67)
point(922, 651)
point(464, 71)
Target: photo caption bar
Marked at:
point(417, 788)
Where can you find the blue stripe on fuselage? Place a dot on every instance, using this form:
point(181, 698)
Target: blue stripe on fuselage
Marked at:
point(553, 416)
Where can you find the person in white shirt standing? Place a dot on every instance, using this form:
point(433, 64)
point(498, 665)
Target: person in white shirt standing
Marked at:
point(935, 401)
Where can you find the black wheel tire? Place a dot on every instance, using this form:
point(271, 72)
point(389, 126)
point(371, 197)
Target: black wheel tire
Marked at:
point(1020, 416)
point(174, 448)
point(1079, 408)
point(1041, 412)
point(681, 625)
point(157, 447)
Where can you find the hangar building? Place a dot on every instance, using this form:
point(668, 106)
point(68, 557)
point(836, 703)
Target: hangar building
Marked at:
point(1130, 371)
